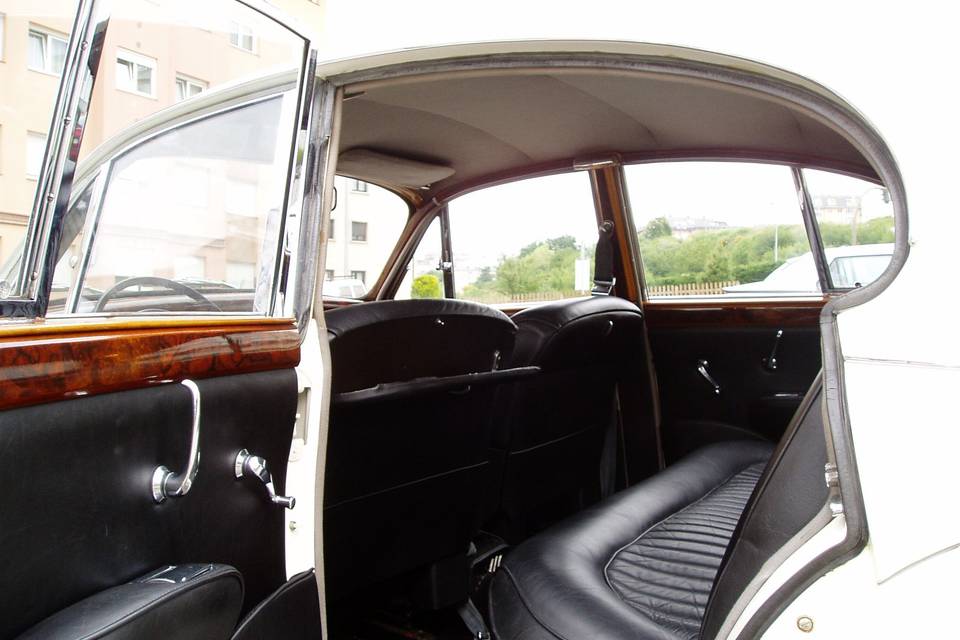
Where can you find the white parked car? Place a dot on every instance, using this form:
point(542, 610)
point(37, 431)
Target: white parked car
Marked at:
point(849, 267)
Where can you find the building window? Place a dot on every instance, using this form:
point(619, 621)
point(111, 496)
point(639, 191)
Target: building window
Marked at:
point(136, 73)
point(36, 144)
point(359, 275)
point(46, 51)
point(358, 231)
point(330, 233)
point(328, 274)
point(358, 186)
point(241, 36)
point(188, 87)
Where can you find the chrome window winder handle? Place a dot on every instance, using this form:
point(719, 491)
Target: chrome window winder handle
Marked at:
point(770, 362)
point(247, 464)
point(166, 483)
point(702, 369)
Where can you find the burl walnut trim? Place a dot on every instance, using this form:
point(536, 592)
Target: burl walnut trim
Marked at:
point(37, 366)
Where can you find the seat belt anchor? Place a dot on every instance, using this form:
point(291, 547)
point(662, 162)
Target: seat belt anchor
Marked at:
point(603, 287)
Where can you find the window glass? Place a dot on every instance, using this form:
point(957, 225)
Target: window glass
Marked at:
point(242, 36)
point(33, 45)
point(187, 214)
point(36, 144)
point(135, 73)
point(423, 278)
point(720, 228)
point(189, 87)
point(364, 228)
point(522, 241)
point(358, 231)
point(46, 50)
point(856, 223)
point(170, 217)
point(70, 254)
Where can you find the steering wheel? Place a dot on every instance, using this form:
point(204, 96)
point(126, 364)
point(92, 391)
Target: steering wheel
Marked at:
point(155, 281)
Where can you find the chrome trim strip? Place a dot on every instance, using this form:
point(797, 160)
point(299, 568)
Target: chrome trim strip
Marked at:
point(319, 158)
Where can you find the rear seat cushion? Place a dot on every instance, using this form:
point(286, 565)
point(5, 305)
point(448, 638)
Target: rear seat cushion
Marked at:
point(639, 565)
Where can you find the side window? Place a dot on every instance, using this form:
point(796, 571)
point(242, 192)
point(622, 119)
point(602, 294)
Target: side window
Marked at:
point(856, 224)
point(526, 241)
point(720, 229)
point(171, 232)
point(180, 182)
point(364, 228)
point(423, 278)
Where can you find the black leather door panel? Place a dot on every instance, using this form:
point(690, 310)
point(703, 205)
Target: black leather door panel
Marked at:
point(78, 515)
point(754, 400)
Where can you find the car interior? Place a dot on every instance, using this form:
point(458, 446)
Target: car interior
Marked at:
point(609, 465)
point(577, 477)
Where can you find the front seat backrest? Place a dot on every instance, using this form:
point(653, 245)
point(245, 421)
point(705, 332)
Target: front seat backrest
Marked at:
point(407, 468)
point(556, 422)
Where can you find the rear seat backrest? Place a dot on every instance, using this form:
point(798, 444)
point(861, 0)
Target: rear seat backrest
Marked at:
point(554, 425)
point(407, 472)
point(790, 494)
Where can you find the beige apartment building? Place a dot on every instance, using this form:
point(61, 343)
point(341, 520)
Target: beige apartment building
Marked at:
point(151, 60)
point(364, 227)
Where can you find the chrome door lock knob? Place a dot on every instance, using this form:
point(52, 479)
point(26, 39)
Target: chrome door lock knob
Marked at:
point(247, 464)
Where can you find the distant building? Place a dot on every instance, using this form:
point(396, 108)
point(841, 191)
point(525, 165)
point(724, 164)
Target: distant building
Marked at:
point(683, 228)
point(364, 227)
point(840, 209)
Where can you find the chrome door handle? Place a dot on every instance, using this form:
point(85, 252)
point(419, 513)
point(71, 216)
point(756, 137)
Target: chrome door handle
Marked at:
point(166, 483)
point(702, 369)
point(247, 464)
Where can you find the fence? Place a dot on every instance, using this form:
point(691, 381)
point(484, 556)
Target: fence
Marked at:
point(537, 296)
point(690, 289)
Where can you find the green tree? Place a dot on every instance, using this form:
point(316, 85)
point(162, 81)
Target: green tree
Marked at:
point(657, 228)
point(426, 286)
point(562, 243)
point(546, 267)
point(743, 254)
point(875, 231)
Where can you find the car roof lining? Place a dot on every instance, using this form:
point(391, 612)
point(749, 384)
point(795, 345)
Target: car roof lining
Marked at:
point(488, 122)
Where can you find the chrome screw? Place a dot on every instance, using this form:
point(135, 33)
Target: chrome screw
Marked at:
point(805, 624)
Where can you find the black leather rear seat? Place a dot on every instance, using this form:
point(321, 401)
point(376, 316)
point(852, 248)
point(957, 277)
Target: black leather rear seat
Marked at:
point(639, 565)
